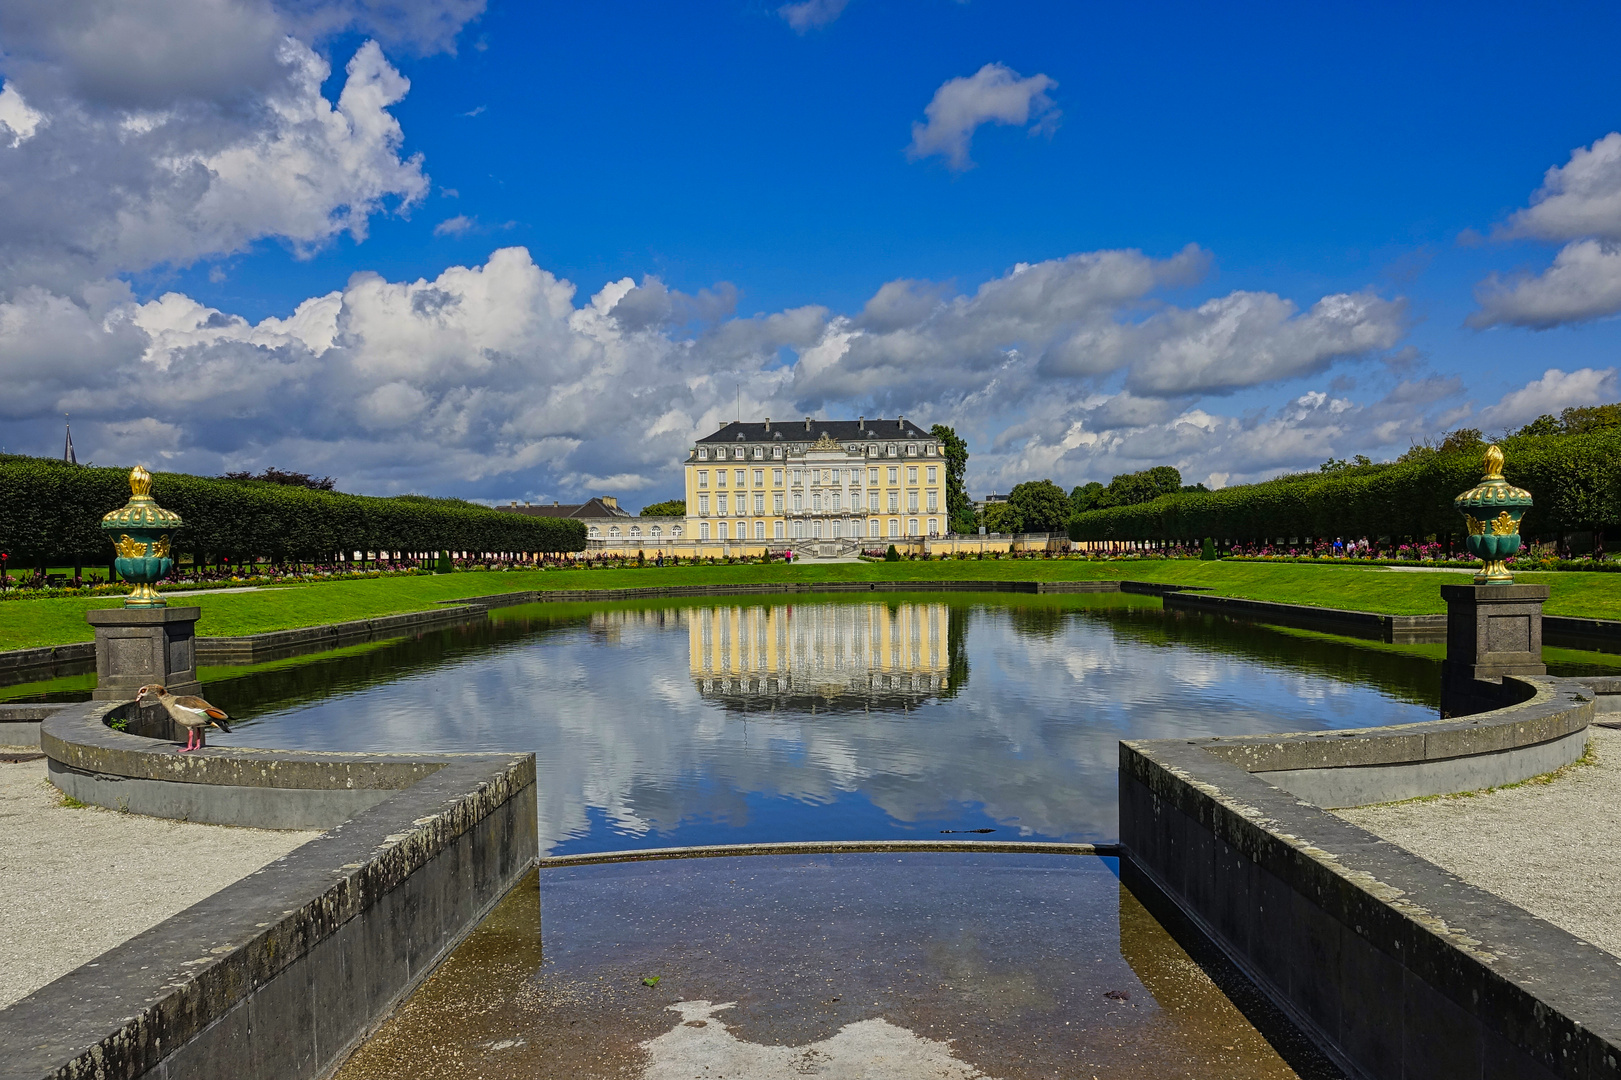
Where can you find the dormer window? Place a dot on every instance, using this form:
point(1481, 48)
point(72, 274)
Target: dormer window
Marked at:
point(889, 450)
point(911, 449)
point(703, 453)
point(776, 451)
point(759, 451)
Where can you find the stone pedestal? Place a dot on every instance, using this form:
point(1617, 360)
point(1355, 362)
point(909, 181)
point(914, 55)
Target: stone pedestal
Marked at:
point(1492, 631)
point(136, 646)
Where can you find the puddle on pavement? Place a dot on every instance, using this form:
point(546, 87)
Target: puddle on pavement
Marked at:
point(949, 966)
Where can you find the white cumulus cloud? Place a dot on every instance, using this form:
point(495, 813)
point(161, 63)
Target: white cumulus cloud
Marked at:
point(993, 94)
point(812, 14)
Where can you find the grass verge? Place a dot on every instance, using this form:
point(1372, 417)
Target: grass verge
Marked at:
point(33, 623)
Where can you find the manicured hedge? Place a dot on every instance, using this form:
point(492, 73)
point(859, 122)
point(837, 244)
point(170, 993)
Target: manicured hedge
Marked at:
point(52, 511)
point(1574, 479)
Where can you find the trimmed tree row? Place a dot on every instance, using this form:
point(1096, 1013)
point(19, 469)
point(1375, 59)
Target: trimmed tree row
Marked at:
point(51, 512)
point(1575, 480)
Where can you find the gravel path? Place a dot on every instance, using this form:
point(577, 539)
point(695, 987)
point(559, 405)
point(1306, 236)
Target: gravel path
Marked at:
point(1552, 848)
point(76, 882)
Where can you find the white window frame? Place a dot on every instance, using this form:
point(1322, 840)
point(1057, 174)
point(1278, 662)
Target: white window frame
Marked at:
point(703, 506)
point(777, 529)
point(759, 530)
point(703, 530)
point(703, 453)
point(720, 530)
point(776, 503)
point(703, 478)
point(894, 527)
point(759, 478)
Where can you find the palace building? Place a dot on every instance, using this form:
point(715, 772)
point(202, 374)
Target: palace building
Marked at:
point(859, 479)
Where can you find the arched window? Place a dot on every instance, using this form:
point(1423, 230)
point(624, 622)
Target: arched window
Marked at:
point(592, 531)
point(723, 530)
point(614, 531)
point(635, 530)
point(703, 530)
point(657, 531)
point(759, 530)
point(777, 530)
point(675, 531)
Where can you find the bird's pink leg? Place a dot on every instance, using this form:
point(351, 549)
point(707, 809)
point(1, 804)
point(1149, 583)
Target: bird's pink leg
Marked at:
point(191, 735)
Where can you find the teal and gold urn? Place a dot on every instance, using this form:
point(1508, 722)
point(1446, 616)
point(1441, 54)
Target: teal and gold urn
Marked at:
point(1492, 509)
point(141, 532)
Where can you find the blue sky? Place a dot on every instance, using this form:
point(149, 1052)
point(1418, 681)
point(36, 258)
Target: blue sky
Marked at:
point(971, 213)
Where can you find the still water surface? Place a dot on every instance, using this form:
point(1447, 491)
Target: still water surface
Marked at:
point(885, 717)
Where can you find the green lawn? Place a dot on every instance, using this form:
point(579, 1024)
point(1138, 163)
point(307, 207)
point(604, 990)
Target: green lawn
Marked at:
point(28, 623)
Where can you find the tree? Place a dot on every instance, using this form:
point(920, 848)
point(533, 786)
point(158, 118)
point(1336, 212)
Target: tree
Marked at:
point(1085, 497)
point(273, 475)
point(959, 507)
point(1042, 506)
point(1003, 518)
point(670, 508)
point(1129, 489)
point(1542, 425)
point(1583, 420)
point(1465, 439)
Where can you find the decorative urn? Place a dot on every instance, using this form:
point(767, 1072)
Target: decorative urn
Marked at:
point(140, 531)
point(1492, 510)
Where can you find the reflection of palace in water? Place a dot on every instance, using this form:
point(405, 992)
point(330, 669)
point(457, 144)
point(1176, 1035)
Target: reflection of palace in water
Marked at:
point(800, 656)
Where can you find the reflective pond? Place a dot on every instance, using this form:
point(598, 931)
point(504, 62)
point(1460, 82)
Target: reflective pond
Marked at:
point(888, 717)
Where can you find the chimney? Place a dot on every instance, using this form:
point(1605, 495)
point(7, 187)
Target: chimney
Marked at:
point(900, 421)
point(610, 501)
point(807, 423)
point(768, 423)
point(861, 423)
point(514, 502)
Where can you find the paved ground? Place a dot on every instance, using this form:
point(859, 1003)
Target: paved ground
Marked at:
point(1552, 848)
point(76, 882)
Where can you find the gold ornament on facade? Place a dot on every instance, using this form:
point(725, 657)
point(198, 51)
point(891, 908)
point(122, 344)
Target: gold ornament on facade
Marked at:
point(826, 442)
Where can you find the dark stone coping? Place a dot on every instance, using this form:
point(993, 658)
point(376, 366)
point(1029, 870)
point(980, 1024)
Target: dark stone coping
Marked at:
point(146, 616)
point(273, 644)
point(78, 653)
point(1398, 968)
point(280, 974)
point(1364, 624)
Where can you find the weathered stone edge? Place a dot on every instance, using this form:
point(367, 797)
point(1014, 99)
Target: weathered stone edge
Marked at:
point(1552, 709)
point(1559, 996)
point(79, 738)
point(141, 1001)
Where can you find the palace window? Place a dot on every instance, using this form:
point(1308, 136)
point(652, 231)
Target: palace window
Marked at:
point(703, 453)
point(894, 527)
point(934, 474)
point(911, 449)
point(816, 500)
point(657, 532)
point(889, 450)
point(740, 478)
point(799, 530)
point(874, 528)
point(776, 478)
point(911, 475)
point(797, 476)
point(635, 530)
point(776, 503)
point(776, 530)
point(738, 453)
point(703, 478)
point(894, 501)
point(872, 501)
point(894, 475)
point(593, 531)
point(872, 476)
point(759, 451)
point(934, 500)
point(759, 503)
point(720, 477)
point(934, 527)
point(759, 530)
point(776, 451)
point(675, 532)
point(703, 530)
point(722, 527)
point(799, 502)
point(720, 503)
point(614, 531)
point(703, 505)
point(834, 506)
point(911, 527)
point(911, 502)
point(855, 528)
point(816, 529)
point(759, 478)
point(836, 530)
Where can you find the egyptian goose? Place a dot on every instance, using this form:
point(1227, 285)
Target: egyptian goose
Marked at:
point(191, 713)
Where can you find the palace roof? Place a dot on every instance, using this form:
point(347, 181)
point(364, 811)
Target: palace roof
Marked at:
point(798, 431)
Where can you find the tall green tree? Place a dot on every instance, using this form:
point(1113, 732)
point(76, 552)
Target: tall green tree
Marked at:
point(1042, 505)
point(669, 508)
point(1085, 497)
point(959, 507)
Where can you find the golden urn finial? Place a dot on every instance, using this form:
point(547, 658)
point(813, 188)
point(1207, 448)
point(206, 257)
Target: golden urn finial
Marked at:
point(1494, 462)
point(140, 482)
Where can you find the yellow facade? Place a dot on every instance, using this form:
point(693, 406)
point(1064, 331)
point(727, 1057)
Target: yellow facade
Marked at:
point(820, 652)
point(775, 487)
